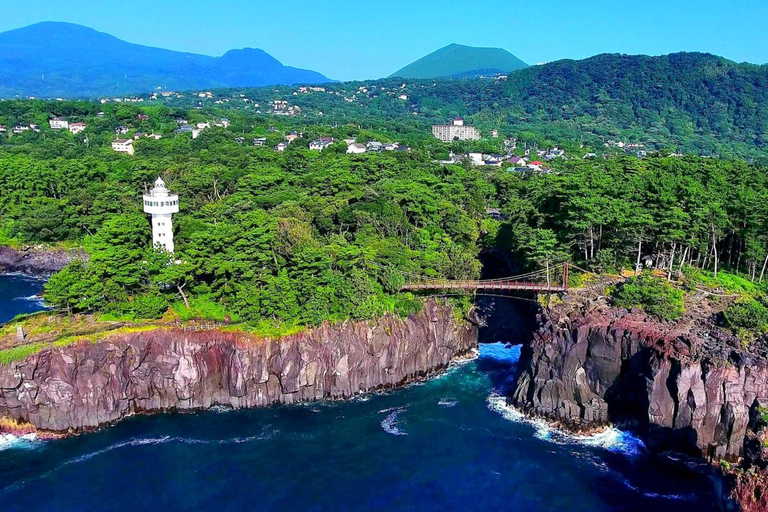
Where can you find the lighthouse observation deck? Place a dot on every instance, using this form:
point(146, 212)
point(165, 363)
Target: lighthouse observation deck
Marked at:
point(155, 205)
point(159, 201)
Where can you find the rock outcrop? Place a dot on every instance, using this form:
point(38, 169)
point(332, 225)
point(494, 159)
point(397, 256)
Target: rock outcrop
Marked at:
point(690, 386)
point(86, 385)
point(36, 260)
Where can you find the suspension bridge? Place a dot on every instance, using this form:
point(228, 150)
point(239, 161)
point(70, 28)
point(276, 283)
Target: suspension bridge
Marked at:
point(551, 280)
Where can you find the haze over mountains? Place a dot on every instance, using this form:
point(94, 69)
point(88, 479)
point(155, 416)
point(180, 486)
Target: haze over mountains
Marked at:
point(52, 59)
point(459, 61)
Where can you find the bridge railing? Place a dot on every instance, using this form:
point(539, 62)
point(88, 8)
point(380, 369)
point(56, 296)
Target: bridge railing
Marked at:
point(552, 279)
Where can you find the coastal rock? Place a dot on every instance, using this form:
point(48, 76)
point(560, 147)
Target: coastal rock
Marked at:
point(688, 386)
point(86, 385)
point(37, 260)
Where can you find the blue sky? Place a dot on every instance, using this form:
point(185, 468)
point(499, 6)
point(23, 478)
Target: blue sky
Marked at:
point(362, 39)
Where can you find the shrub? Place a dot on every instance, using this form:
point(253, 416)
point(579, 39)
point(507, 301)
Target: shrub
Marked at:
point(653, 295)
point(747, 313)
point(151, 305)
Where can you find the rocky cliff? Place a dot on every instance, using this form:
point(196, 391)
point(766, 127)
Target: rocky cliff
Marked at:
point(36, 260)
point(85, 385)
point(689, 386)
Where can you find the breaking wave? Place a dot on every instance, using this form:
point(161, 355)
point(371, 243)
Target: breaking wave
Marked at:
point(390, 423)
point(613, 440)
point(8, 441)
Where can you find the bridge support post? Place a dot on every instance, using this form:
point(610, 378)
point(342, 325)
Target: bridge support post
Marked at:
point(565, 275)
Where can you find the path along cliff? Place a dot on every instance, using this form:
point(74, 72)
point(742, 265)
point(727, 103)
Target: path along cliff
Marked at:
point(86, 385)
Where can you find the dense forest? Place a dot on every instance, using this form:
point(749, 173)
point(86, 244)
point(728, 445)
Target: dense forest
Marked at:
point(302, 236)
point(680, 103)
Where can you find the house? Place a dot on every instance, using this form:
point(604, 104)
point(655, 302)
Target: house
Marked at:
point(100, 114)
point(642, 153)
point(516, 160)
point(123, 146)
point(35, 127)
point(142, 117)
point(321, 143)
point(3, 129)
point(239, 140)
point(121, 130)
point(19, 128)
point(356, 148)
point(292, 136)
point(495, 134)
point(138, 135)
point(589, 156)
point(76, 128)
point(375, 146)
point(281, 146)
point(155, 136)
point(259, 141)
point(223, 123)
point(203, 126)
point(58, 123)
point(391, 147)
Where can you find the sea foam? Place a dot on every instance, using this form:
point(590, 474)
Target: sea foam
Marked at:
point(612, 439)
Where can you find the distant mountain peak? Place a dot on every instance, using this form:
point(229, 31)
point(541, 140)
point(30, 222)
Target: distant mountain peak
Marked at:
point(457, 60)
point(58, 59)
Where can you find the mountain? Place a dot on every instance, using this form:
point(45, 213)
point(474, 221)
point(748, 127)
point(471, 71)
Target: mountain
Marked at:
point(456, 60)
point(52, 59)
point(690, 98)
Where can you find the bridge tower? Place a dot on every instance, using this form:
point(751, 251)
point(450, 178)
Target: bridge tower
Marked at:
point(161, 205)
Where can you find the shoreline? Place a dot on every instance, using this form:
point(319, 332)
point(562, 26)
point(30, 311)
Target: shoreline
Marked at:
point(21, 429)
point(37, 260)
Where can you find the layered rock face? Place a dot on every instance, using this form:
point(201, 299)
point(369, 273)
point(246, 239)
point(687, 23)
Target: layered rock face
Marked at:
point(85, 385)
point(38, 261)
point(689, 386)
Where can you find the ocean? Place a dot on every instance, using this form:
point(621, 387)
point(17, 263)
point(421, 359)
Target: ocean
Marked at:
point(19, 294)
point(449, 443)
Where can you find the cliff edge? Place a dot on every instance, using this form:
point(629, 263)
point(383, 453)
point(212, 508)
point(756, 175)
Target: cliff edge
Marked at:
point(690, 385)
point(86, 385)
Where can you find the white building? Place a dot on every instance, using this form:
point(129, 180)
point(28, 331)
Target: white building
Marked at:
point(58, 123)
point(356, 148)
point(76, 128)
point(123, 146)
point(161, 205)
point(321, 143)
point(455, 131)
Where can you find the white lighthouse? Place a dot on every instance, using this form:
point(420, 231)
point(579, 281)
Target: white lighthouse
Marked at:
point(161, 205)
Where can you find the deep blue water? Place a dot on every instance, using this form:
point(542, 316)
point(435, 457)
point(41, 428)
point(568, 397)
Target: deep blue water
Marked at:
point(443, 445)
point(19, 294)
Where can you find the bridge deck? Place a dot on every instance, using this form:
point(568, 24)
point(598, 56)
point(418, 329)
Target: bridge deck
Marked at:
point(486, 285)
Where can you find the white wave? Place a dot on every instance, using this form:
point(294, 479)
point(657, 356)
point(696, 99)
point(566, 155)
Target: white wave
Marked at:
point(656, 494)
point(447, 402)
point(30, 298)
point(8, 441)
point(390, 423)
point(612, 439)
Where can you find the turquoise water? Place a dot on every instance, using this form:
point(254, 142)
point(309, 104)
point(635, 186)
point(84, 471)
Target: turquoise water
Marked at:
point(447, 444)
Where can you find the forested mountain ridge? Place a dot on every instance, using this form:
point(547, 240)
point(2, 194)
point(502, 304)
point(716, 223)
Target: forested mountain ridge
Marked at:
point(682, 96)
point(65, 60)
point(457, 60)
